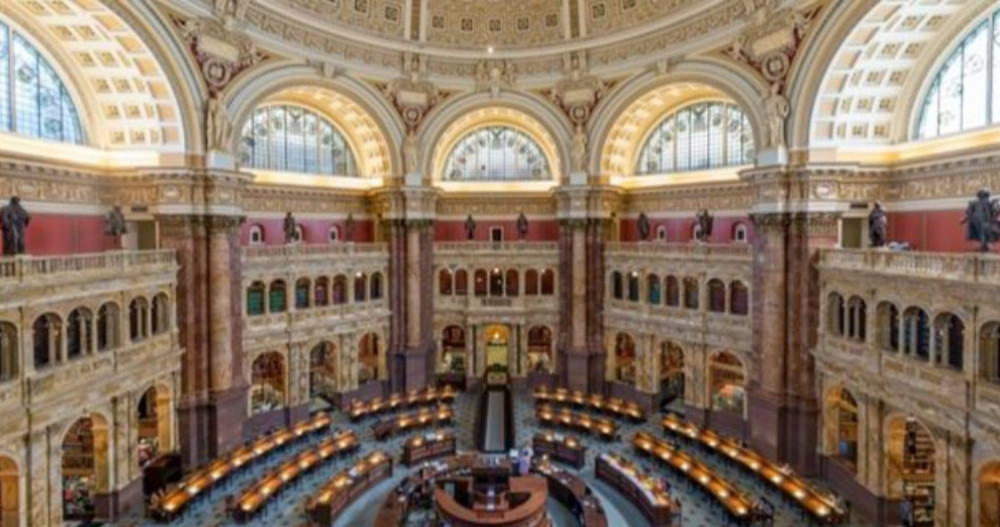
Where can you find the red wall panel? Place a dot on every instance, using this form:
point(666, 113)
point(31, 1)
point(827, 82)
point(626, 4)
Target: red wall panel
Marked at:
point(679, 229)
point(52, 234)
point(932, 231)
point(538, 230)
point(315, 231)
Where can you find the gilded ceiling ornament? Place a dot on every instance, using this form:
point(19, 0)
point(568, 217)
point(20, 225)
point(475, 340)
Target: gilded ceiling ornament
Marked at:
point(221, 53)
point(412, 96)
point(772, 38)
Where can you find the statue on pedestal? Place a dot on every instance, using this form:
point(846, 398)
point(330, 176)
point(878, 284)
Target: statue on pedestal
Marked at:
point(290, 229)
point(14, 222)
point(114, 223)
point(703, 225)
point(878, 224)
point(522, 226)
point(643, 226)
point(410, 155)
point(470, 228)
point(777, 109)
point(349, 227)
point(579, 150)
point(981, 219)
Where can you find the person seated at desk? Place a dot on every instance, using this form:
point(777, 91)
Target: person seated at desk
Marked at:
point(524, 461)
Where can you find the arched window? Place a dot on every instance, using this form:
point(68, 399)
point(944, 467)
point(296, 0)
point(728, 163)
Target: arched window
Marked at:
point(360, 287)
point(277, 297)
point(531, 282)
point(290, 138)
point(256, 235)
point(339, 289)
point(548, 280)
point(108, 320)
point(79, 333)
point(480, 285)
point(161, 313)
point(33, 99)
point(333, 235)
point(512, 284)
point(739, 299)
point(255, 299)
point(716, 296)
point(727, 378)
point(461, 282)
point(375, 287)
point(835, 314)
point(673, 288)
point(496, 153)
point(633, 286)
point(916, 333)
point(888, 326)
point(496, 282)
point(302, 287)
point(9, 352)
point(965, 92)
point(846, 408)
point(740, 233)
point(653, 285)
point(691, 293)
point(698, 136)
point(857, 319)
point(990, 351)
point(444, 282)
point(949, 341)
point(617, 286)
point(321, 292)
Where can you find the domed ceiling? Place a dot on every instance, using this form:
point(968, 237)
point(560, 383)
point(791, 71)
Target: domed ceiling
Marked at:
point(536, 33)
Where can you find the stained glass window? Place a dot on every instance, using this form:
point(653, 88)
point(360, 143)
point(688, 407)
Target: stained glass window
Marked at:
point(698, 136)
point(965, 92)
point(289, 138)
point(496, 153)
point(33, 99)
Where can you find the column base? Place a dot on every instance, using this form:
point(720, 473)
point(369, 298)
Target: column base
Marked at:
point(280, 417)
point(582, 370)
point(876, 510)
point(112, 505)
point(410, 369)
point(211, 427)
point(696, 415)
point(365, 392)
point(646, 401)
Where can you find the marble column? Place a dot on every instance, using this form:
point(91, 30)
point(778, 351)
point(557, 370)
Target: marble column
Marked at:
point(581, 287)
point(411, 338)
point(212, 405)
point(783, 408)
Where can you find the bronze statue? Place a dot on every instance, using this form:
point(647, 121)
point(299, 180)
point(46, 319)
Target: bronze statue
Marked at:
point(703, 225)
point(290, 229)
point(981, 219)
point(878, 223)
point(470, 228)
point(14, 222)
point(522, 225)
point(114, 222)
point(349, 227)
point(643, 226)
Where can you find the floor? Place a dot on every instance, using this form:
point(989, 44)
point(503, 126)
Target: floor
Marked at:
point(288, 511)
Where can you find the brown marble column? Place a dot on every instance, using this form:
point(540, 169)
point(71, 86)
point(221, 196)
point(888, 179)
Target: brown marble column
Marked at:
point(783, 407)
point(580, 339)
point(212, 404)
point(411, 342)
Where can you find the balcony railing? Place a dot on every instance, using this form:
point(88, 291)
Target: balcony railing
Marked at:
point(481, 247)
point(735, 250)
point(980, 268)
point(20, 268)
point(312, 252)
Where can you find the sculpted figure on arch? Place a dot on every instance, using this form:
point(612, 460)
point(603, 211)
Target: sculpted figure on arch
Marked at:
point(777, 109)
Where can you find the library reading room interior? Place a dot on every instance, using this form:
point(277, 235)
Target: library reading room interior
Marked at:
point(500, 263)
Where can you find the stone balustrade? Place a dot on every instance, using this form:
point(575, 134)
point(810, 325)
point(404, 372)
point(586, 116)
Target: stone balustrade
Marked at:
point(26, 267)
point(974, 267)
point(517, 247)
point(702, 251)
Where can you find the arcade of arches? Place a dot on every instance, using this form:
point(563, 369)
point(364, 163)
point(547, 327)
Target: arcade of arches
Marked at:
point(246, 211)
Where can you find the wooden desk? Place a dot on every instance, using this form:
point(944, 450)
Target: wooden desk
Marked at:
point(819, 505)
point(418, 485)
point(201, 482)
point(572, 492)
point(604, 428)
point(344, 488)
point(530, 513)
point(732, 499)
point(428, 446)
point(252, 499)
point(414, 420)
point(560, 448)
point(427, 397)
point(638, 487)
point(614, 406)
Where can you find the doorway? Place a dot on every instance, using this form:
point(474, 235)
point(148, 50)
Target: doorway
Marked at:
point(497, 351)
